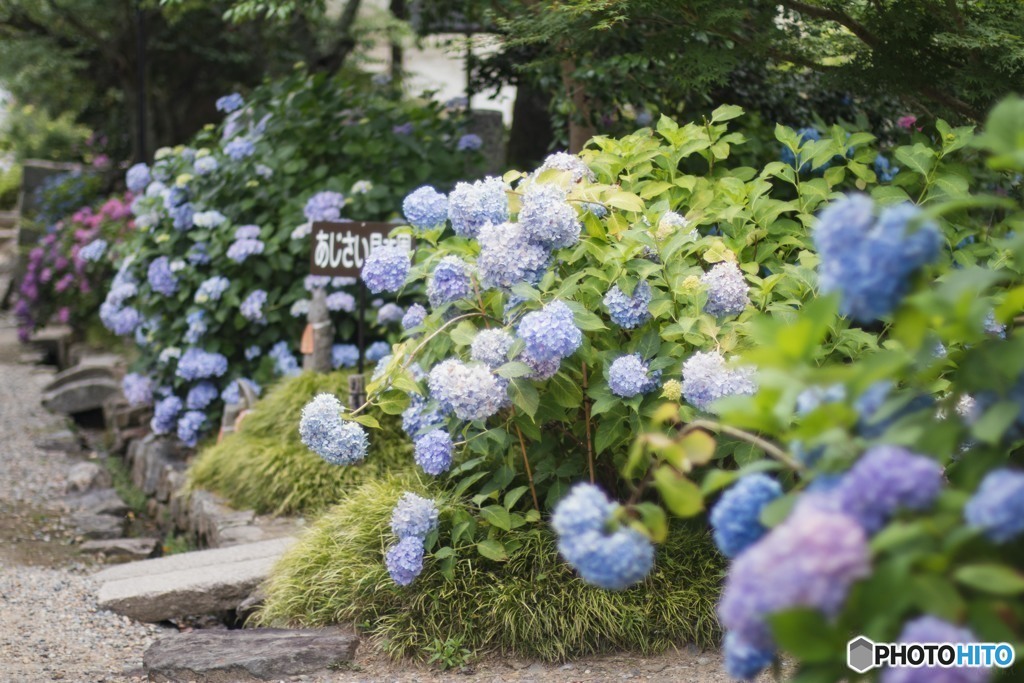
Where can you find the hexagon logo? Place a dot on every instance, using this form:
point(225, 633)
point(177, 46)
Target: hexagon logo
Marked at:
point(860, 654)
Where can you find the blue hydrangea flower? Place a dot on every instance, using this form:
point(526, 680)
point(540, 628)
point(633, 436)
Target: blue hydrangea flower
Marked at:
point(324, 206)
point(613, 559)
point(361, 187)
point(201, 395)
point(997, 507)
point(389, 313)
point(230, 103)
point(421, 416)
point(706, 378)
point(341, 301)
point(189, 425)
point(252, 306)
point(93, 251)
point(885, 170)
point(233, 392)
point(239, 148)
point(413, 317)
point(449, 282)
point(211, 289)
point(247, 232)
point(377, 350)
point(744, 661)
point(209, 219)
point(491, 347)
point(541, 370)
point(470, 142)
point(629, 311)
point(121, 321)
point(567, 163)
point(425, 208)
point(550, 333)
point(344, 356)
point(993, 327)
point(811, 560)
point(176, 196)
point(285, 363)
point(338, 441)
point(404, 560)
point(930, 629)
point(386, 269)
point(471, 206)
point(165, 415)
point(547, 218)
point(507, 257)
point(629, 376)
point(811, 398)
point(160, 277)
point(253, 352)
point(199, 364)
point(433, 452)
point(137, 178)
point(205, 165)
point(870, 262)
point(240, 250)
point(470, 390)
point(727, 290)
point(196, 327)
point(414, 516)
point(197, 254)
point(736, 517)
point(181, 216)
point(138, 389)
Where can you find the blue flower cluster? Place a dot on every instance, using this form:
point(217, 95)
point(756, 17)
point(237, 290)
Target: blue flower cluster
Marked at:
point(386, 269)
point(884, 169)
point(470, 142)
point(137, 178)
point(252, 306)
point(470, 390)
point(196, 327)
point(547, 218)
point(629, 376)
point(211, 289)
point(743, 661)
point(449, 282)
point(404, 560)
point(421, 416)
point(997, 507)
point(165, 415)
point(425, 208)
point(239, 148)
point(93, 251)
point(412, 518)
point(629, 312)
point(433, 452)
point(377, 350)
point(550, 333)
point(189, 426)
point(870, 261)
point(230, 103)
point(414, 316)
point(471, 206)
point(608, 557)
point(344, 356)
point(567, 163)
point(707, 378)
point(324, 206)
point(241, 249)
point(323, 431)
point(388, 313)
point(138, 389)
point(491, 347)
point(508, 258)
point(727, 290)
point(930, 629)
point(201, 395)
point(341, 301)
point(199, 364)
point(209, 219)
point(160, 277)
point(285, 363)
point(206, 165)
point(736, 518)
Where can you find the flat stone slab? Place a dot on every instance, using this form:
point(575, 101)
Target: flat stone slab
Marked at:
point(122, 547)
point(246, 655)
point(189, 584)
point(81, 395)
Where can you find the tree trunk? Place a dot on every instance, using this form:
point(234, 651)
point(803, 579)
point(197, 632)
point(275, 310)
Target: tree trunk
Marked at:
point(580, 127)
point(530, 138)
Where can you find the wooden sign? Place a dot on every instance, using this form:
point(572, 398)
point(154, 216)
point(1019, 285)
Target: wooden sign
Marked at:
point(340, 249)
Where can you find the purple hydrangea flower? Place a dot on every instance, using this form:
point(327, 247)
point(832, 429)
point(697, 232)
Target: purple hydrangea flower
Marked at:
point(341, 301)
point(211, 289)
point(338, 441)
point(550, 333)
point(386, 269)
point(247, 232)
point(138, 389)
point(449, 282)
point(201, 395)
point(727, 290)
point(548, 219)
point(414, 516)
point(425, 208)
point(433, 452)
point(929, 629)
point(199, 364)
point(344, 356)
point(205, 165)
point(629, 376)
point(189, 426)
point(93, 251)
point(377, 350)
point(629, 311)
point(470, 390)
point(997, 507)
point(324, 206)
point(404, 560)
point(182, 216)
point(389, 313)
point(541, 369)
point(137, 178)
point(240, 250)
point(402, 128)
point(230, 103)
point(121, 321)
point(421, 416)
point(197, 254)
point(253, 352)
point(561, 161)
point(743, 661)
point(285, 363)
point(507, 257)
point(239, 148)
point(252, 306)
point(413, 317)
point(706, 379)
point(160, 277)
point(736, 517)
point(470, 142)
point(471, 206)
point(491, 347)
point(165, 415)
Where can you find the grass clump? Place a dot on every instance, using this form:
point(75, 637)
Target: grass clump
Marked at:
point(265, 467)
point(135, 498)
point(532, 605)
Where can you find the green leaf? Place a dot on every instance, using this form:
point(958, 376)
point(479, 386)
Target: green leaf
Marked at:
point(514, 369)
point(446, 551)
point(996, 579)
point(807, 635)
point(681, 495)
point(393, 402)
point(654, 521)
point(524, 396)
point(497, 516)
point(492, 550)
point(365, 420)
point(996, 420)
point(726, 112)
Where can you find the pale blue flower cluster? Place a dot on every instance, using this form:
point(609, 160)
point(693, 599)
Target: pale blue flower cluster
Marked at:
point(323, 431)
point(189, 426)
point(247, 232)
point(491, 347)
point(300, 308)
point(239, 148)
point(165, 415)
point(884, 169)
point(341, 301)
point(138, 389)
point(608, 557)
point(160, 277)
point(736, 517)
point(629, 312)
point(211, 289)
point(470, 142)
point(137, 178)
point(209, 219)
point(869, 261)
point(389, 313)
point(324, 206)
point(233, 392)
point(707, 378)
point(230, 103)
point(471, 206)
point(449, 282)
point(931, 629)
point(344, 356)
point(547, 218)
point(550, 333)
point(726, 289)
point(241, 249)
point(285, 363)
point(421, 415)
point(993, 327)
point(252, 306)
point(997, 507)
point(425, 208)
point(386, 269)
point(404, 560)
point(253, 352)
point(121, 320)
point(93, 251)
point(433, 452)
point(199, 364)
point(470, 390)
point(507, 257)
point(196, 321)
point(201, 395)
point(197, 254)
point(205, 165)
point(412, 518)
point(570, 163)
point(377, 350)
point(630, 376)
point(413, 317)
point(743, 661)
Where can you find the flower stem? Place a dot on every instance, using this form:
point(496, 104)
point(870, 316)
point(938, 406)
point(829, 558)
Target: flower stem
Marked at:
point(765, 445)
point(526, 464)
point(586, 414)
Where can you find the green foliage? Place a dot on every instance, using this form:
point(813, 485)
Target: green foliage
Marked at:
point(448, 654)
point(29, 132)
point(529, 606)
point(134, 498)
point(265, 467)
point(10, 184)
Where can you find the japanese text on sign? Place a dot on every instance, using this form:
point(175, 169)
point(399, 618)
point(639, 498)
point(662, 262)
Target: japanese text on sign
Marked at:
point(340, 249)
